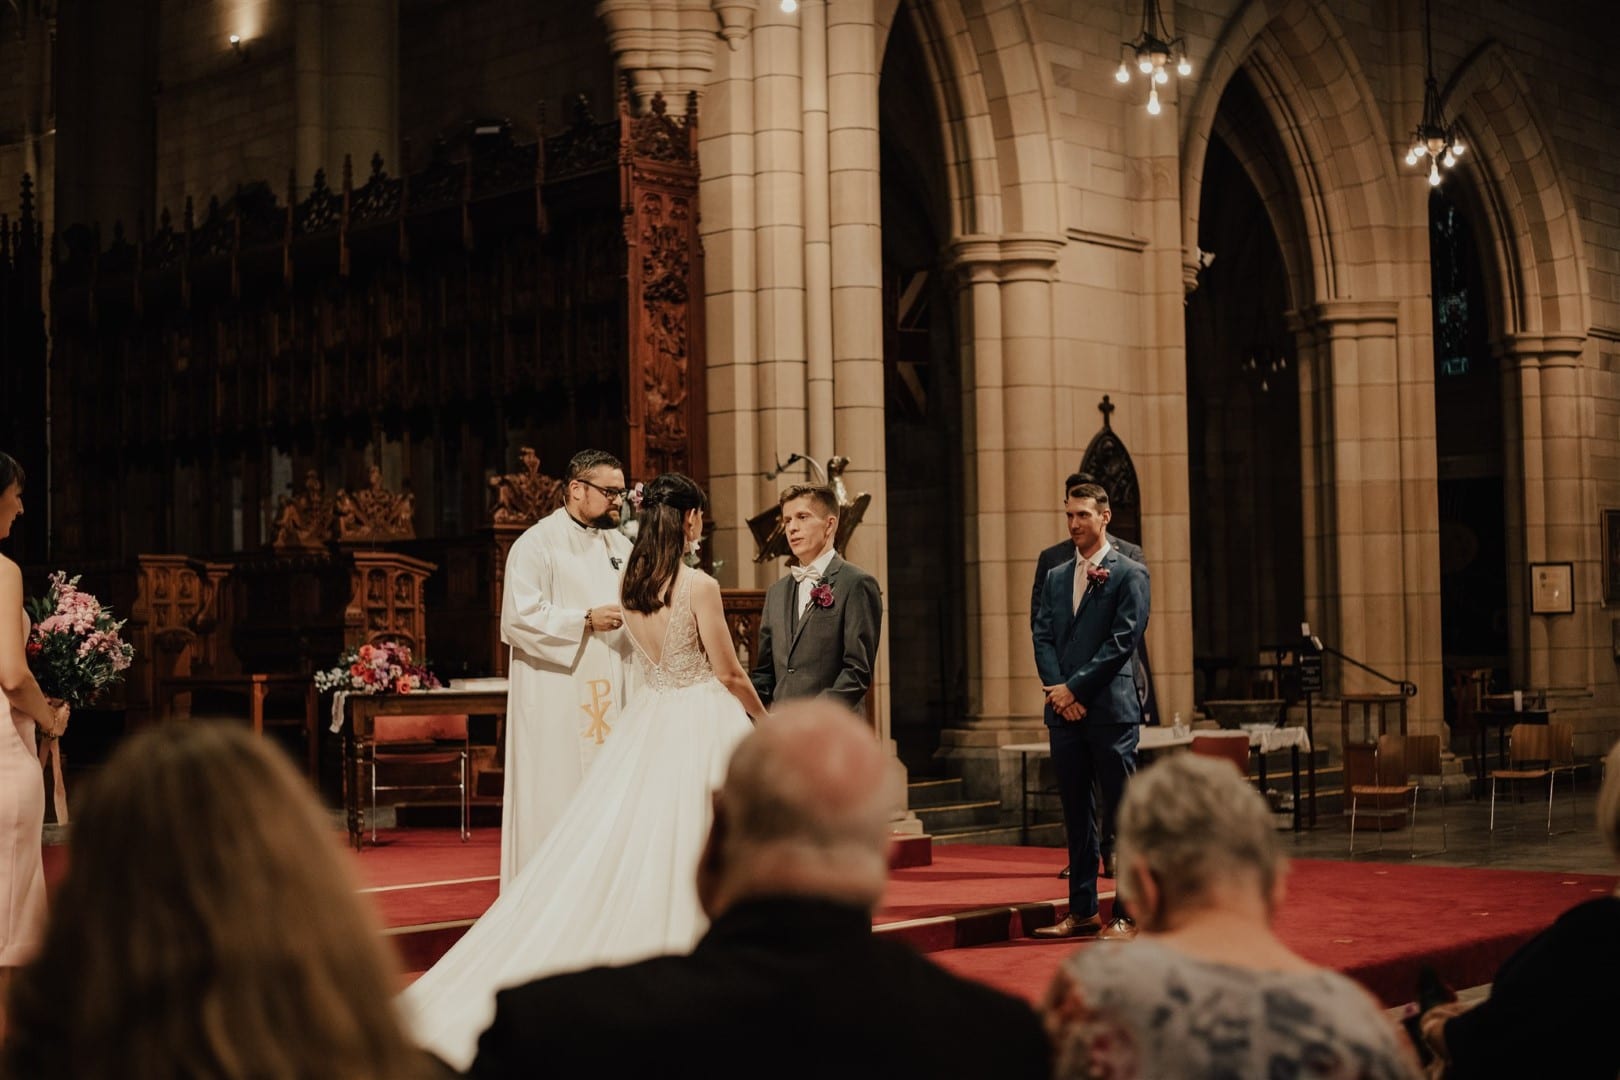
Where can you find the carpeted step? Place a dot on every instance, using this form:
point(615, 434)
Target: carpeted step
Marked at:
point(1042, 834)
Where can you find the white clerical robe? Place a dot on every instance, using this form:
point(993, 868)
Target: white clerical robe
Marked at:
point(566, 685)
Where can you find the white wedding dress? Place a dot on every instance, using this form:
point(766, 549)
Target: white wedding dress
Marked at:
point(614, 882)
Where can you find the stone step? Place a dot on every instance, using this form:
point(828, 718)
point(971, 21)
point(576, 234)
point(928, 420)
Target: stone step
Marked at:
point(934, 792)
point(1043, 834)
point(958, 815)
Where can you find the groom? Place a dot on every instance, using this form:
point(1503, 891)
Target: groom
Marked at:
point(819, 631)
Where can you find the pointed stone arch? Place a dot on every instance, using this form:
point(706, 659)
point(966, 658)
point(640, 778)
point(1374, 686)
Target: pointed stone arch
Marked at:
point(1325, 115)
point(1537, 256)
point(1003, 180)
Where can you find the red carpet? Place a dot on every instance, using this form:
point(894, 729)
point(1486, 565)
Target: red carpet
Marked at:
point(1376, 922)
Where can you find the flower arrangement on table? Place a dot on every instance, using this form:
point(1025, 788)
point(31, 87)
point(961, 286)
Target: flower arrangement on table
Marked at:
point(75, 652)
point(384, 668)
point(74, 648)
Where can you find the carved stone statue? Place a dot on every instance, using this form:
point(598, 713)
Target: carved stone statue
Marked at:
point(771, 538)
point(376, 513)
point(523, 498)
point(304, 519)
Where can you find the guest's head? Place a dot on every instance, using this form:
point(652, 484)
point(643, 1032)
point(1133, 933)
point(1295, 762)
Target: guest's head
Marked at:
point(809, 518)
point(668, 522)
point(1193, 833)
point(1074, 480)
point(208, 926)
point(595, 488)
point(804, 812)
point(1608, 802)
point(11, 492)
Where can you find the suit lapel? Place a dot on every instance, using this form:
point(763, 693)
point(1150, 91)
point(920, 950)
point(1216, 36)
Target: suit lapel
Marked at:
point(1091, 590)
point(810, 612)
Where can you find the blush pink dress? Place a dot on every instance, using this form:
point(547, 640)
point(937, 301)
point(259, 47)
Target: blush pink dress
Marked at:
point(22, 817)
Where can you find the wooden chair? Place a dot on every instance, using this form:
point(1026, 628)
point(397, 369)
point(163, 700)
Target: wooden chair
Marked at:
point(1400, 765)
point(1230, 745)
point(419, 741)
point(1539, 752)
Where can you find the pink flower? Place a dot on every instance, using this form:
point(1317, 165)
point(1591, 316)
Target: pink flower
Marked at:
point(822, 595)
point(1096, 575)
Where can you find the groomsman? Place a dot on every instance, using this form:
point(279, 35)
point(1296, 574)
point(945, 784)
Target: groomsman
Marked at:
point(819, 631)
point(1141, 672)
point(1093, 610)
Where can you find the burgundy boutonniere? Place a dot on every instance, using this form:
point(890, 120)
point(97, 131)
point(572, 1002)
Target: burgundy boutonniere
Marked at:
point(822, 596)
point(1096, 575)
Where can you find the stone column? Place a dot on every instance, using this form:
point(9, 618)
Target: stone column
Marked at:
point(1556, 654)
point(1363, 592)
point(1008, 292)
point(668, 45)
point(818, 321)
point(345, 85)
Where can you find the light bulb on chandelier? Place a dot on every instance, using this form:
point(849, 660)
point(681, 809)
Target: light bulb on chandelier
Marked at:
point(789, 6)
point(1434, 175)
point(1123, 75)
point(1434, 139)
point(1161, 76)
point(1153, 52)
point(1153, 102)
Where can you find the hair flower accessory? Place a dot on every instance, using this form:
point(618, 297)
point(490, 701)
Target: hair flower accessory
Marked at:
point(822, 595)
point(1096, 575)
point(634, 494)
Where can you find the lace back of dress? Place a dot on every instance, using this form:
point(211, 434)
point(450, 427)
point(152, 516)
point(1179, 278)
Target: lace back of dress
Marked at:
point(683, 662)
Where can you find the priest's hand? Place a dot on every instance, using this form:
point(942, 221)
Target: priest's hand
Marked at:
point(605, 617)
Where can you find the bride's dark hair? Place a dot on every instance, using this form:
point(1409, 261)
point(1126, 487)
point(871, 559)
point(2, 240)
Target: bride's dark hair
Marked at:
point(660, 540)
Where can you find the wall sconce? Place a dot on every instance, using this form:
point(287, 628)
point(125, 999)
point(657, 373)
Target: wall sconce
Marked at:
point(239, 48)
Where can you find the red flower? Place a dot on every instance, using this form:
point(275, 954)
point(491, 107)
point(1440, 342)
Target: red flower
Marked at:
point(34, 648)
point(357, 669)
point(1096, 575)
point(402, 685)
point(822, 595)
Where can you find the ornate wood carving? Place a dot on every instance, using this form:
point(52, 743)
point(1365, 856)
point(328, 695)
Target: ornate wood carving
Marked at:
point(744, 609)
point(523, 498)
point(375, 514)
point(659, 189)
point(385, 600)
point(172, 623)
point(304, 520)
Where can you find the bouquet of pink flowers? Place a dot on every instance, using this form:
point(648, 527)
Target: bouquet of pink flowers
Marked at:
point(74, 648)
point(383, 668)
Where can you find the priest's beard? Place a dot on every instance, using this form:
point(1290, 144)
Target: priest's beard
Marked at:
point(609, 520)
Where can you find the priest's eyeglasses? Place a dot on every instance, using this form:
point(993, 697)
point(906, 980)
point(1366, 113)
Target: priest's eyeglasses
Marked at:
point(611, 494)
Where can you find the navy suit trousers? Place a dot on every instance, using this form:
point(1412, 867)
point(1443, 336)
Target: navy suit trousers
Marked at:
point(1083, 753)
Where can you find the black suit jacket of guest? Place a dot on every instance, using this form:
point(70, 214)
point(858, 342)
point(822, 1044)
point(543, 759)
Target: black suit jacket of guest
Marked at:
point(780, 987)
point(1058, 554)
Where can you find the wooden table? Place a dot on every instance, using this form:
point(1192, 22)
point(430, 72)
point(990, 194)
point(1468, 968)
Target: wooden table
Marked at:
point(360, 713)
point(257, 687)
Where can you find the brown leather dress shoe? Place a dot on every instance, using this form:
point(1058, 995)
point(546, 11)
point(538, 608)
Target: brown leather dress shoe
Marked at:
point(1118, 930)
point(1072, 926)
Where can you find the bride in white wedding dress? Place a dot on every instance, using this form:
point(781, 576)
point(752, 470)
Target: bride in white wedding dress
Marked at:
point(614, 881)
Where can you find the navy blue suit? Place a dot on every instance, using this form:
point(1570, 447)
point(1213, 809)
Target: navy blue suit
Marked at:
point(1090, 652)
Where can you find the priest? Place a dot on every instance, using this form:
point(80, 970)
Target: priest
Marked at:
point(570, 664)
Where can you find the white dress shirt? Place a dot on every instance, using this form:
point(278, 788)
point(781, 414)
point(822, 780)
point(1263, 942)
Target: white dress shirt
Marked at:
point(1081, 581)
point(818, 571)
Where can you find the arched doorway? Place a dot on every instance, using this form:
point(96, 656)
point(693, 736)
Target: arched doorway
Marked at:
point(1243, 410)
point(922, 408)
point(1469, 450)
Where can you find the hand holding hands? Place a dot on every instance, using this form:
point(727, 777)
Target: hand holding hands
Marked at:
point(1061, 698)
point(604, 617)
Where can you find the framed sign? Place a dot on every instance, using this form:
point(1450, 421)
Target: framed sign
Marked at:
point(1552, 588)
point(1611, 556)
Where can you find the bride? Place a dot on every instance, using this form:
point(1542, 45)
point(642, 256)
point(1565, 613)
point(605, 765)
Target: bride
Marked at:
point(614, 880)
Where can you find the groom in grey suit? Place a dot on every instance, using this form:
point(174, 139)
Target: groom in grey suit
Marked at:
point(819, 631)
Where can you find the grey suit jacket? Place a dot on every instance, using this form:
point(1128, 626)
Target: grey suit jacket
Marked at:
point(832, 649)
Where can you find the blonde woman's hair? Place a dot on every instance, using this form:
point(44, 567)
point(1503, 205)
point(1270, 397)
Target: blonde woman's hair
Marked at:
point(208, 929)
point(1608, 801)
point(1191, 820)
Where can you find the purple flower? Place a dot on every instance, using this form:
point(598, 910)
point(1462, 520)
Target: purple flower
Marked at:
point(822, 595)
point(1096, 575)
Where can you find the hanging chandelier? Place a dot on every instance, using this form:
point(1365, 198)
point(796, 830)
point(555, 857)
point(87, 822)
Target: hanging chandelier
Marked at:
point(1150, 52)
point(1434, 139)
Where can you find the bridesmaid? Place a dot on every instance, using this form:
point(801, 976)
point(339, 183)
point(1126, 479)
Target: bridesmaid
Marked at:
point(22, 785)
